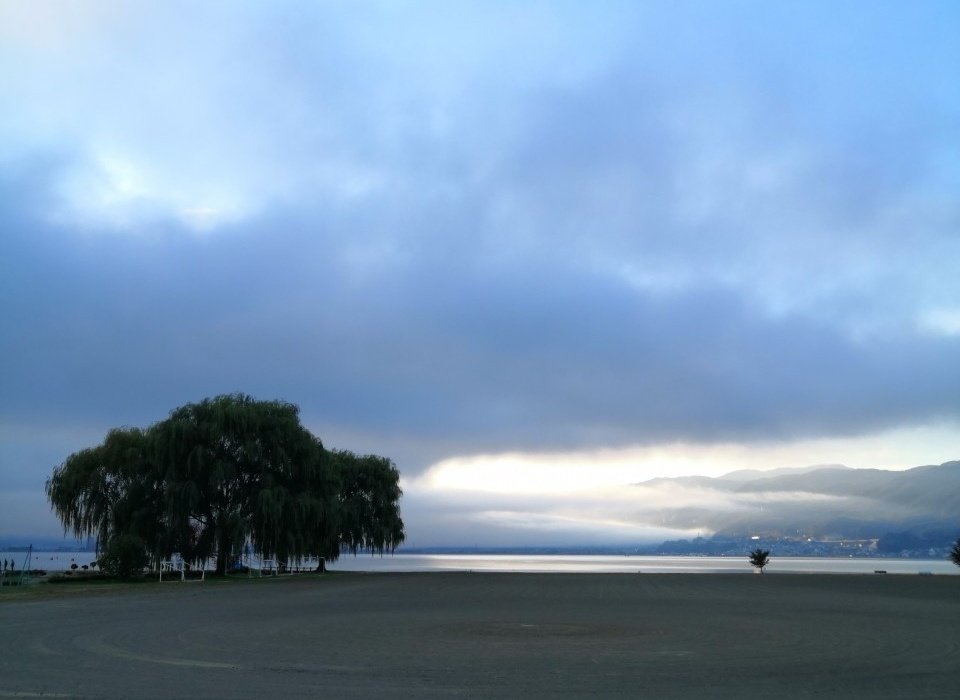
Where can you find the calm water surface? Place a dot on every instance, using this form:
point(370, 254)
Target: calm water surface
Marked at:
point(60, 561)
point(635, 564)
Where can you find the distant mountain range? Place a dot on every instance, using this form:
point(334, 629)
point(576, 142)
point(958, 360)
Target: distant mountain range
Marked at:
point(751, 474)
point(817, 502)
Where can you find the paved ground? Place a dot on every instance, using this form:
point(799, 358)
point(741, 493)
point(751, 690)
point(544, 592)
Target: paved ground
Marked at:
point(490, 635)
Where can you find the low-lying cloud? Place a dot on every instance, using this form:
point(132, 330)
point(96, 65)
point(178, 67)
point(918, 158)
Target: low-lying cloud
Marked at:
point(798, 503)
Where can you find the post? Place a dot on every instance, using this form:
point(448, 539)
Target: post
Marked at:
point(26, 564)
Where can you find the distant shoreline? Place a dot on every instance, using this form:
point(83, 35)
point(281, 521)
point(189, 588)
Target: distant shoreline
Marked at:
point(63, 561)
point(551, 551)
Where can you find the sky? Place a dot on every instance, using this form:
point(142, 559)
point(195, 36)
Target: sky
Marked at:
point(534, 252)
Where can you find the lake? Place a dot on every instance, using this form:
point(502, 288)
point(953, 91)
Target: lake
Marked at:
point(547, 563)
point(635, 564)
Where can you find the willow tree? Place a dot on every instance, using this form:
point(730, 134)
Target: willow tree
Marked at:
point(369, 512)
point(112, 491)
point(237, 468)
point(224, 472)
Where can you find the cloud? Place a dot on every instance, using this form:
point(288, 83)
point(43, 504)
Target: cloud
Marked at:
point(497, 229)
point(437, 516)
point(942, 321)
point(492, 354)
point(581, 502)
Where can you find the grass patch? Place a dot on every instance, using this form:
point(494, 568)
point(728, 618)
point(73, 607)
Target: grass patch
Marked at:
point(64, 583)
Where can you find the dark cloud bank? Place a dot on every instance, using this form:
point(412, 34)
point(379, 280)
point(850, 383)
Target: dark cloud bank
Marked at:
point(446, 353)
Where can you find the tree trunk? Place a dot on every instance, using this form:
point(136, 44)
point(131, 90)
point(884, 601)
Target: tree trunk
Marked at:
point(322, 565)
point(223, 552)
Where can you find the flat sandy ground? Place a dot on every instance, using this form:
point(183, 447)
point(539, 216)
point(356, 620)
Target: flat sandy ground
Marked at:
point(489, 635)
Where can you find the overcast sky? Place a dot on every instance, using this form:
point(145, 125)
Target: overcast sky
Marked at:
point(532, 251)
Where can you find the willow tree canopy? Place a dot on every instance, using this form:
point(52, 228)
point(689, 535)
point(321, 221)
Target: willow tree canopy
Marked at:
point(225, 472)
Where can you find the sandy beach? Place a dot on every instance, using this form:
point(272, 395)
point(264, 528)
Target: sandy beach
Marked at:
point(488, 635)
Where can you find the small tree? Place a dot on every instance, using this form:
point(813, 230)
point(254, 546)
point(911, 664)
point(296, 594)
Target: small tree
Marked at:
point(955, 553)
point(760, 558)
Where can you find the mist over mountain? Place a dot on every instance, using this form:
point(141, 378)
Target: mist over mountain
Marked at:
point(816, 502)
point(750, 474)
